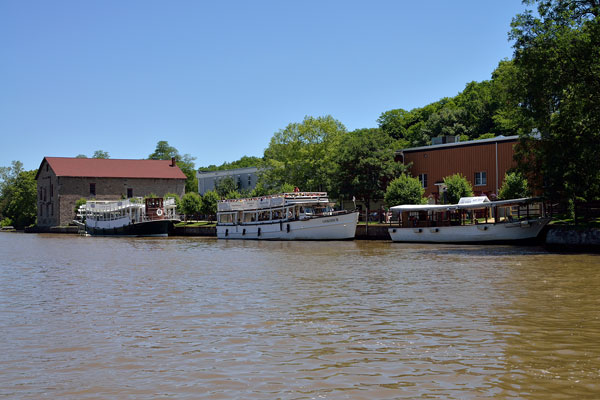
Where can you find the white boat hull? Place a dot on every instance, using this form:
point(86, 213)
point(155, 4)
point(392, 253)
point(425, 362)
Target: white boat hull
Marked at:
point(471, 233)
point(335, 227)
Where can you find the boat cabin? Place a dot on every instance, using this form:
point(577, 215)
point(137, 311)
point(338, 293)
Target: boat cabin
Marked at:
point(275, 208)
point(469, 210)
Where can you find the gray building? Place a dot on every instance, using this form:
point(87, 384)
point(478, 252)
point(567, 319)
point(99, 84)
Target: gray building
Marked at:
point(245, 178)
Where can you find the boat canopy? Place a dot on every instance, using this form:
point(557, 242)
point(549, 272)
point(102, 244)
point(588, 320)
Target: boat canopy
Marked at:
point(465, 203)
point(273, 201)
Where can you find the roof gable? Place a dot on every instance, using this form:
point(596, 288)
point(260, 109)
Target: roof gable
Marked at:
point(112, 168)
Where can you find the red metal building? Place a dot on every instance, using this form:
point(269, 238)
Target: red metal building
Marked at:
point(482, 162)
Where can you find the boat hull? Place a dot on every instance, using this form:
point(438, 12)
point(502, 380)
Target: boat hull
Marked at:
point(336, 227)
point(478, 233)
point(150, 228)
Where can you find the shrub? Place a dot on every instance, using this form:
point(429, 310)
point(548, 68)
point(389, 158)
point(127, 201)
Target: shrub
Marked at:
point(404, 190)
point(457, 186)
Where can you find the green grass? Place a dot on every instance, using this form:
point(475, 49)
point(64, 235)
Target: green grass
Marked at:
point(206, 224)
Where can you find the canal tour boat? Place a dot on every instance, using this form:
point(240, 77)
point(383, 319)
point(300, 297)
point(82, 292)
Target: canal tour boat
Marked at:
point(129, 217)
point(472, 220)
point(285, 216)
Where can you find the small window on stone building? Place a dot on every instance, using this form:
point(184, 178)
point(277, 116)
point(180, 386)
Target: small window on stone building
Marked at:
point(51, 190)
point(92, 189)
point(129, 193)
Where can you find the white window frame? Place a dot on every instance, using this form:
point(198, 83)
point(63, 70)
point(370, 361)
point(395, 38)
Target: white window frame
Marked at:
point(481, 178)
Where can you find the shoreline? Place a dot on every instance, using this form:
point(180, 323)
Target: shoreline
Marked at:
point(564, 238)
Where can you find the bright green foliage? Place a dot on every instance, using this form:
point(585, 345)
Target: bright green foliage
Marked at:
point(186, 163)
point(244, 162)
point(101, 154)
point(514, 187)
point(404, 190)
point(557, 85)
point(18, 199)
point(298, 154)
point(457, 186)
point(233, 194)
point(6, 222)
point(81, 201)
point(209, 203)
point(191, 203)
point(363, 164)
point(225, 186)
point(163, 151)
point(286, 188)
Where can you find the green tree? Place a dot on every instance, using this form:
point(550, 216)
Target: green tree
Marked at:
point(8, 177)
point(557, 90)
point(244, 162)
point(191, 204)
point(101, 154)
point(363, 164)
point(298, 154)
point(164, 151)
point(226, 185)
point(209, 204)
point(81, 156)
point(514, 186)
point(404, 190)
point(21, 204)
point(457, 186)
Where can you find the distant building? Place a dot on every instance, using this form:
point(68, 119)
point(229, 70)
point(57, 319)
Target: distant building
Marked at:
point(483, 162)
point(61, 181)
point(245, 178)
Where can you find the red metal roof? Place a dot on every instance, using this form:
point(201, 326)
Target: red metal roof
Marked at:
point(113, 168)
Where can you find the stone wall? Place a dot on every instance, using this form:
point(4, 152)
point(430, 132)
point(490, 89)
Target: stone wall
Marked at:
point(48, 208)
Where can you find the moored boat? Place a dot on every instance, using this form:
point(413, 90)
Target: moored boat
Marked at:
point(129, 217)
point(285, 216)
point(472, 220)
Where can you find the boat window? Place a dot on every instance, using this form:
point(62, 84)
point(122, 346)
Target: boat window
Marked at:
point(308, 210)
point(264, 216)
point(249, 217)
point(226, 218)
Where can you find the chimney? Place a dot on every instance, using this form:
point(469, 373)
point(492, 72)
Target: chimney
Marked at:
point(172, 161)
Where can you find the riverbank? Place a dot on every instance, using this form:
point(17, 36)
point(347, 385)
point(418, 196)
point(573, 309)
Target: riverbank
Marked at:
point(568, 238)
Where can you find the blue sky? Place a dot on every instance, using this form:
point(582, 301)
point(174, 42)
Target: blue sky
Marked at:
point(217, 79)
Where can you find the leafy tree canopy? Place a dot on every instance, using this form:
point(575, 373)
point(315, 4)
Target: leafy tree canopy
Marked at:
point(244, 162)
point(557, 91)
point(363, 164)
point(514, 187)
point(225, 186)
point(101, 154)
point(298, 154)
point(191, 203)
point(164, 151)
point(457, 186)
point(404, 190)
point(209, 203)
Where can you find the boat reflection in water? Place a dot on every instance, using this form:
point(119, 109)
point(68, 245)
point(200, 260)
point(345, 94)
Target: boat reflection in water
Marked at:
point(129, 217)
point(285, 216)
point(472, 220)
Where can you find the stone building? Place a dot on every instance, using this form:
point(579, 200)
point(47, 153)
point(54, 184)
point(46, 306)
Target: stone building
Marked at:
point(61, 181)
point(245, 178)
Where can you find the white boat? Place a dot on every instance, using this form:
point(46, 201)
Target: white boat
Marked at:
point(472, 220)
point(129, 217)
point(285, 216)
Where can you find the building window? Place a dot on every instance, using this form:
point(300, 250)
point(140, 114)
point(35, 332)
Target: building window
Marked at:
point(423, 180)
point(249, 180)
point(480, 178)
point(92, 189)
point(129, 193)
point(51, 190)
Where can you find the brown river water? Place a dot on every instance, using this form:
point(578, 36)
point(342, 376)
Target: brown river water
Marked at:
point(197, 318)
